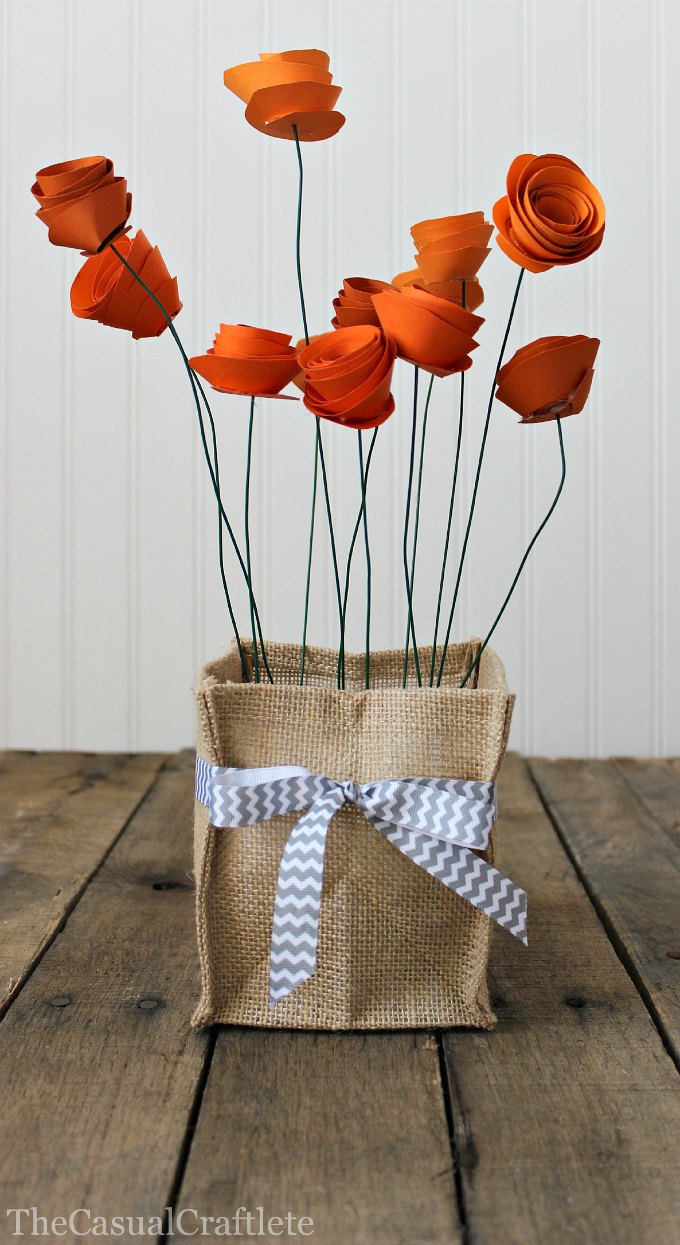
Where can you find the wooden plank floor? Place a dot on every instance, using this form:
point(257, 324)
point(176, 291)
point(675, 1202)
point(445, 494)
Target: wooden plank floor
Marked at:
point(562, 1125)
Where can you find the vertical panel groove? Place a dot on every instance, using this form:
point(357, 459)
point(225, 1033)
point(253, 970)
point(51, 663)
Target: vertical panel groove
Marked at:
point(593, 664)
point(67, 529)
point(5, 535)
point(133, 517)
point(658, 391)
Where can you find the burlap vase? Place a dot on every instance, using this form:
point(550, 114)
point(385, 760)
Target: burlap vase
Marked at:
point(396, 949)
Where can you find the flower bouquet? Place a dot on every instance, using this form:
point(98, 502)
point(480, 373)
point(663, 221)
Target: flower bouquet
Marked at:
point(314, 765)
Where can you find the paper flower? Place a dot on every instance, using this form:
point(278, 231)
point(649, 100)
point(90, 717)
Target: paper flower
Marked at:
point(354, 304)
point(451, 248)
point(347, 376)
point(251, 361)
point(551, 215)
point(82, 203)
point(452, 290)
point(284, 89)
point(433, 333)
point(104, 290)
point(549, 377)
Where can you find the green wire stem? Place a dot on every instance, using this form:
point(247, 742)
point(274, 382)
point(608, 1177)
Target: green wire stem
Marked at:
point(416, 522)
point(452, 502)
point(410, 624)
point(520, 568)
point(355, 534)
point(367, 661)
point(318, 456)
point(197, 388)
point(478, 474)
point(256, 663)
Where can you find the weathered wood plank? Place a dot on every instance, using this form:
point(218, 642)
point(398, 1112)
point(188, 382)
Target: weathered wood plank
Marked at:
point(59, 815)
point(657, 784)
point(346, 1129)
point(99, 1066)
point(631, 869)
point(567, 1115)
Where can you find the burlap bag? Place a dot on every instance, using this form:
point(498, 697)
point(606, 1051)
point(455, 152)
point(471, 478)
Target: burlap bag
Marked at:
point(396, 949)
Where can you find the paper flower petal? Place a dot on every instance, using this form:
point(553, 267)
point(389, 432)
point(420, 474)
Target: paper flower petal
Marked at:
point(105, 291)
point(549, 377)
point(354, 304)
point(248, 360)
point(82, 203)
point(286, 89)
point(433, 333)
point(451, 248)
point(348, 374)
point(551, 215)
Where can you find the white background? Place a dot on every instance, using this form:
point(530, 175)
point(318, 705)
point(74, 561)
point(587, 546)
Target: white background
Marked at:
point(111, 596)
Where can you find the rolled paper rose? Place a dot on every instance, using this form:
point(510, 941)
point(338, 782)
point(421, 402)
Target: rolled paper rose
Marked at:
point(348, 374)
point(551, 215)
point(284, 89)
point(354, 304)
point(433, 333)
point(451, 248)
point(452, 290)
point(82, 203)
point(104, 290)
point(549, 377)
point(251, 361)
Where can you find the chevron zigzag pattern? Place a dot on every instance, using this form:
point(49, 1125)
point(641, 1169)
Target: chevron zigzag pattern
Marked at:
point(433, 821)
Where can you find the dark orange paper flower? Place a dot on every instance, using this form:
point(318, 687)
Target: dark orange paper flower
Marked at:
point(82, 203)
point(284, 89)
point(256, 362)
point(347, 376)
point(451, 290)
point(551, 215)
point(354, 304)
point(549, 377)
point(451, 248)
point(433, 333)
point(104, 290)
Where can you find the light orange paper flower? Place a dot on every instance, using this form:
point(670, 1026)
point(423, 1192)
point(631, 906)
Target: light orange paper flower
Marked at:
point(284, 89)
point(347, 376)
point(251, 361)
point(354, 304)
point(82, 203)
point(451, 290)
point(433, 333)
point(451, 248)
point(549, 377)
point(551, 215)
point(104, 290)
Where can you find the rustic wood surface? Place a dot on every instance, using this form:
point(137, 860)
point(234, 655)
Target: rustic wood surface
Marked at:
point(562, 1125)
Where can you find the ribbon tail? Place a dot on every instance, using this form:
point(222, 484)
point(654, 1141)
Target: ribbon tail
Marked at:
point(467, 874)
point(298, 899)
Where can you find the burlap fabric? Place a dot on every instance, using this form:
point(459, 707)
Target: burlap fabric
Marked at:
point(396, 948)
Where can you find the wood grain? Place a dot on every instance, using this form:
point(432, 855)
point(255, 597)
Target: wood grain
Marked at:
point(99, 1065)
point(656, 782)
point(347, 1129)
point(59, 815)
point(632, 871)
point(567, 1116)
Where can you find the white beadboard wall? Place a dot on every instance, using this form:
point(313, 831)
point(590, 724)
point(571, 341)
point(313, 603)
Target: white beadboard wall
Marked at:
point(111, 596)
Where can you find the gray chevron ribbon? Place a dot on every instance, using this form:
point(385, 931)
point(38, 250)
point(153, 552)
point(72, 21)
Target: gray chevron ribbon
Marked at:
point(434, 821)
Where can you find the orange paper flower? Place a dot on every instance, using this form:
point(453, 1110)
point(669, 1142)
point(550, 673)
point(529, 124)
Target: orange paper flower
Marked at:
point(551, 215)
point(347, 376)
point(284, 89)
point(451, 290)
point(549, 377)
point(256, 362)
point(104, 290)
point(433, 333)
point(82, 203)
point(354, 304)
point(451, 248)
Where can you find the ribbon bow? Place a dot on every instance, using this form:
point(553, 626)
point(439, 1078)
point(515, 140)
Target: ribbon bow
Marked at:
point(433, 821)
